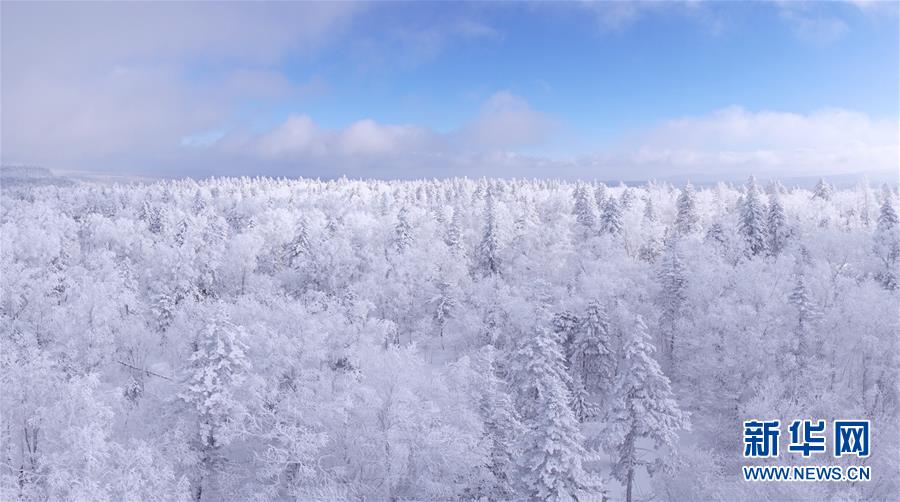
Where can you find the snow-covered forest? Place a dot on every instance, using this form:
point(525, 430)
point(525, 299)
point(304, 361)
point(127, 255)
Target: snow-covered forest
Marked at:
point(263, 339)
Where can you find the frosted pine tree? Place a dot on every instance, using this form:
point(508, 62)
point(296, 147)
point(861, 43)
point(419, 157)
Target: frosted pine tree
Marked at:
point(217, 366)
point(453, 235)
point(611, 218)
point(649, 210)
point(672, 299)
point(806, 313)
point(298, 247)
point(592, 360)
point(552, 452)
point(444, 305)
point(887, 242)
point(402, 230)
point(822, 190)
point(686, 219)
point(645, 407)
point(865, 202)
point(502, 428)
point(752, 222)
point(600, 195)
point(776, 225)
point(584, 211)
point(489, 247)
point(627, 199)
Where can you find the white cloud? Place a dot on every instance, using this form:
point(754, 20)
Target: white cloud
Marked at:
point(812, 25)
point(735, 140)
point(90, 82)
point(505, 121)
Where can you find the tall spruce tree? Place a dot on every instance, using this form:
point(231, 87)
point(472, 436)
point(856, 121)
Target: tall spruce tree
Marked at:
point(672, 299)
point(489, 248)
point(552, 451)
point(611, 219)
point(752, 222)
point(887, 242)
point(218, 365)
point(584, 211)
point(776, 225)
point(686, 218)
point(645, 407)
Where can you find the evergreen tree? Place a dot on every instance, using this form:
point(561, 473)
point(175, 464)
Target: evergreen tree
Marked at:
point(611, 219)
point(591, 358)
point(776, 225)
point(752, 223)
point(649, 210)
point(672, 299)
point(627, 199)
point(444, 305)
point(584, 211)
point(552, 451)
point(865, 202)
point(887, 242)
point(686, 219)
point(807, 313)
point(402, 231)
point(600, 194)
point(217, 366)
point(489, 249)
point(453, 236)
point(645, 407)
point(822, 190)
point(298, 247)
point(502, 428)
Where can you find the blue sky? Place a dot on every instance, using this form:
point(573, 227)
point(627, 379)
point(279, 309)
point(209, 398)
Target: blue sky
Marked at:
point(608, 90)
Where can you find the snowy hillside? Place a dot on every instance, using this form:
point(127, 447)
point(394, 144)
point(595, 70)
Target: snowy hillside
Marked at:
point(260, 339)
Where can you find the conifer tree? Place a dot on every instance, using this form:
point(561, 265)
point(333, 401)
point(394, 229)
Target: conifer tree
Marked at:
point(402, 230)
point(444, 305)
point(298, 247)
point(686, 219)
point(649, 210)
point(645, 407)
point(552, 451)
point(776, 225)
point(217, 366)
point(453, 235)
point(887, 242)
point(591, 358)
point(627, 198)
point(611, 219)
point(600, 194)
point(584, 211)
point(673, 297)
point(502, 427)
point(752, 223)
point(806, 313)
point(822, 190)
point(489, 248)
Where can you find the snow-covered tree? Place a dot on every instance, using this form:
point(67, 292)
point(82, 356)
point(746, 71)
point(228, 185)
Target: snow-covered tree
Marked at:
point(823, 190)
point(489, 259)
point(402, 230)
point(645, 407)
point(686, 219)
point(611, 218)
point(218, 365)
point(672, 299)
point(752, 223)
point(776, 226)
point(552, 452)
point(591, 358)
point(584, 211)
point(887, 242)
